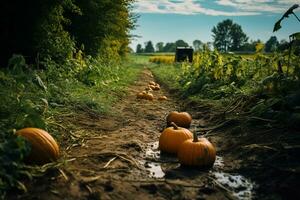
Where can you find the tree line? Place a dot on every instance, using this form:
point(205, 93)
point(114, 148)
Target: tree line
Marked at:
point(56, 29)
point(227, 36)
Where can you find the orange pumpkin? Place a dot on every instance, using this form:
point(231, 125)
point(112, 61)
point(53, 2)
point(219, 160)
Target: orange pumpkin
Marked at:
point(140, 95)
point(182, 119)
point(149, 96)
point(172, 137)
point(197, 152)
point(44, 148)
point(145, 95)
point(155, 87)
point(162, 98)
point(152, 83)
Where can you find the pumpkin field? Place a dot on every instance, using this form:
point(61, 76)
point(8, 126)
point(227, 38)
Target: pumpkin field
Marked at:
point(83, 116)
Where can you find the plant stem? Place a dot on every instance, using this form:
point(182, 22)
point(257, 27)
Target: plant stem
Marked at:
point(195, 137)
point(296, 16)
point(174, 126)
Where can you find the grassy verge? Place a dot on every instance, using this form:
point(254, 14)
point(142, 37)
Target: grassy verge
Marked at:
point(41, 98)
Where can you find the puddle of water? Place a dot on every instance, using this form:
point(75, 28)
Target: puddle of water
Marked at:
point(219, 163)
point(154, 168)
point(240, 186)
point(152, 150)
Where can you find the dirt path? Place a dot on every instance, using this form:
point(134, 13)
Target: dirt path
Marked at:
point(116, 157)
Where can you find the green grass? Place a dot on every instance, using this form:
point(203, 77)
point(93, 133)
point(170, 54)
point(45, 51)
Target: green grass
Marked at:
point(139, 59)
point(40, 98)
point(168, 75)
point(102, 96)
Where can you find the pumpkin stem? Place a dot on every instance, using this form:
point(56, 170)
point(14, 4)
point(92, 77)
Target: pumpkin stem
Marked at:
point(195, 137)
point(174, 126)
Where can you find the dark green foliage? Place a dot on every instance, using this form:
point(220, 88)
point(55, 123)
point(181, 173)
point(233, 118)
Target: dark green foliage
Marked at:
point(103, 27)
point(283, 45)
point(34, 29)
point(250, 46)
point(239, 38)
point(139, 49)
point(12, 151)
point(228, 36)
point(197, 45)
point(159, 47)
point(149, 47)
point(181, 43)
point(23, 104)
point(47, 29)
point(169, 47)
point(272, 44)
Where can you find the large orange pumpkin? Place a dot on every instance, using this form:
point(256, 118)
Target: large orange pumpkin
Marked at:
point(44, 148)
point(172, 137)
point(182, 119)
point(197, 152)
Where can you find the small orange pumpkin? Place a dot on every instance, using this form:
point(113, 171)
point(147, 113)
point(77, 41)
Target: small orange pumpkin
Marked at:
point(145, 95)
point(152, 83)
point(182, 119)
point(148, 88)
point(140, 95)
point(149, 96)
point(162, 98)
point(155, 87)
point(197, 152)
point(172, 137)
point(44, 148)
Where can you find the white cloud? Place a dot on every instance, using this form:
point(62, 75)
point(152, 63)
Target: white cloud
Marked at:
point(187, 7)
point(271, 6)
point(191, 7)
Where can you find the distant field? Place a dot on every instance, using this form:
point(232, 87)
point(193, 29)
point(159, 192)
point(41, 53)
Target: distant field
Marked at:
point(156, 54)
point(143, 58)
point(138, 58)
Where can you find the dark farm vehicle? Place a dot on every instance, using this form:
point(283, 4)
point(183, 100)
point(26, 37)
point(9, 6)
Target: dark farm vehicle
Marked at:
point(184, 54)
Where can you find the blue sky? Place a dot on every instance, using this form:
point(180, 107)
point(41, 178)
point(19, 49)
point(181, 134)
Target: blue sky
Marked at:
point(170, 20)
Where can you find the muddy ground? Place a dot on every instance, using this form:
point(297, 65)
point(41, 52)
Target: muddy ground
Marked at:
point(116, 157)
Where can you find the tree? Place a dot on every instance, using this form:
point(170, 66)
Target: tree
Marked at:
point(272, 44)
point(103, 27)
point(149, 47)
point(197, 45)
point(169, 47)
point(250, 46)
point(238, 37)
point(181, 43)
point(35, 29)
point(56, 29)
point(139, 48)
point(159, 46)
point(283, 45)
point(228, 36)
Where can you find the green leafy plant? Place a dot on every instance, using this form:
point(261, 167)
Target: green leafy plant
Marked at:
point(293, 37)
point(289, 12)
